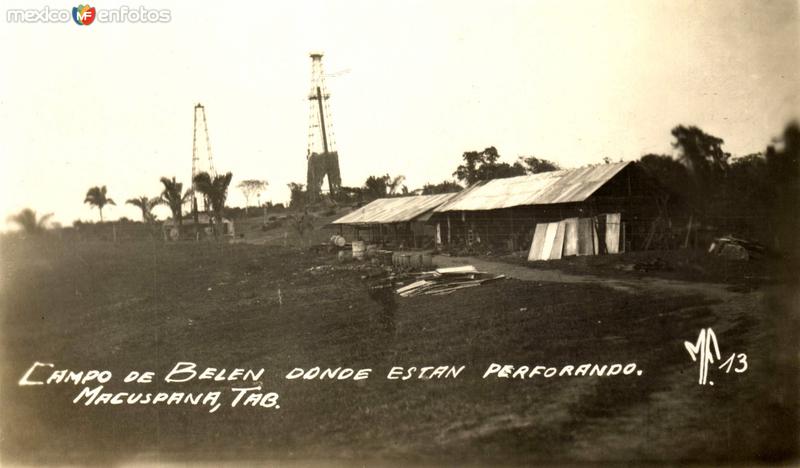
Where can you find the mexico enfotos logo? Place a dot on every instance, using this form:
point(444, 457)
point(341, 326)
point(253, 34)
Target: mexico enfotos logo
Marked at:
point(84, 15)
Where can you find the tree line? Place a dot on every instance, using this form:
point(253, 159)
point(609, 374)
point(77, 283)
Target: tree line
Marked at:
point(213, 189)
point(753, 195)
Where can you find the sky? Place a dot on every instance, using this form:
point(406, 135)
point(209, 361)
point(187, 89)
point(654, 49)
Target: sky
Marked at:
point(422, 82)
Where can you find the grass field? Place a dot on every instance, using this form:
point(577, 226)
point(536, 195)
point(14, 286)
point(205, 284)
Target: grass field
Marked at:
point(147, 305)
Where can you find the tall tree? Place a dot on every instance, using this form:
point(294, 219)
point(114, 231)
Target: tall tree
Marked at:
point(377, 186)
point(297, 198)
point(446, 186)
point(251, 187)
point(484, 165)
point(669, 171)
point(145, 204)
point(173, 197)
point(783, 156)
point(29, 222)
point(395, 185)
point(216, 190)
point(701, 152)
point(747, 204)
point(534, 165)
point(383, 186)
point(98, 196)
point(783, 173)
point(707, 164)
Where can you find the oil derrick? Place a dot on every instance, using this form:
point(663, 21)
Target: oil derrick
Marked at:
point(323, 160)
point(201, 157)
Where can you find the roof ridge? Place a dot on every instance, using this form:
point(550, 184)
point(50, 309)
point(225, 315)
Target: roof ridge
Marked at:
point(542, 188)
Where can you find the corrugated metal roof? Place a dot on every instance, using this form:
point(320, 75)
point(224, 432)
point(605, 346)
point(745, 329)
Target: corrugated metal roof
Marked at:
point(394, 210)
point(566, 186)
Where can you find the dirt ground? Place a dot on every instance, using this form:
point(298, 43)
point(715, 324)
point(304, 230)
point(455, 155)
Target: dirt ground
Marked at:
point(147, 305)
point(686, 265)
point(282, 231)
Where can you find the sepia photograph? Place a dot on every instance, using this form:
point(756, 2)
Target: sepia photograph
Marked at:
point(400, 233)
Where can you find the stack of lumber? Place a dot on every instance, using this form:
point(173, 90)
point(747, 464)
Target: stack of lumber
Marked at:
point(445, 281)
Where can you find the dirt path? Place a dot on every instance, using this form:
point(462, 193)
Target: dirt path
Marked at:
point(710, 290)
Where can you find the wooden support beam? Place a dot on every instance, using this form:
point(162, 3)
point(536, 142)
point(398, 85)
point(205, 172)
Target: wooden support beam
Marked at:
point(449, 230)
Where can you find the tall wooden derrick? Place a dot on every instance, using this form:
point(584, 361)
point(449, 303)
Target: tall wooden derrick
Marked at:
point(323, 159)
point(201, 158)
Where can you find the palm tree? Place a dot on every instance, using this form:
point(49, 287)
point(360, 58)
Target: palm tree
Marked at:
point(146, 205)
point(97, 196)
point(27, 220)
point(395, 184)
point(216, 190)
point(172, 197)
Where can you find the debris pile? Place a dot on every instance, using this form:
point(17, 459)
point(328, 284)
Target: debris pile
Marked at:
point(445, 281)
point(369, 268)
point(736, 249)
point(655, 264)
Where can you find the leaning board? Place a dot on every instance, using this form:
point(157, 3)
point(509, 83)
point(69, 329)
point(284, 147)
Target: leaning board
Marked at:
point(549, 241)
point(570, 237)
point(558, 243)
point(612, 232)
point(538, 242)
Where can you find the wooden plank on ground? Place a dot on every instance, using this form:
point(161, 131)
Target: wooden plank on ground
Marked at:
point(457, 269)
point(413, 285)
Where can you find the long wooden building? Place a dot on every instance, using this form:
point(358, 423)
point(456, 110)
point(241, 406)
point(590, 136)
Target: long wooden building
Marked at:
point(397, 220)
point(575, 210)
